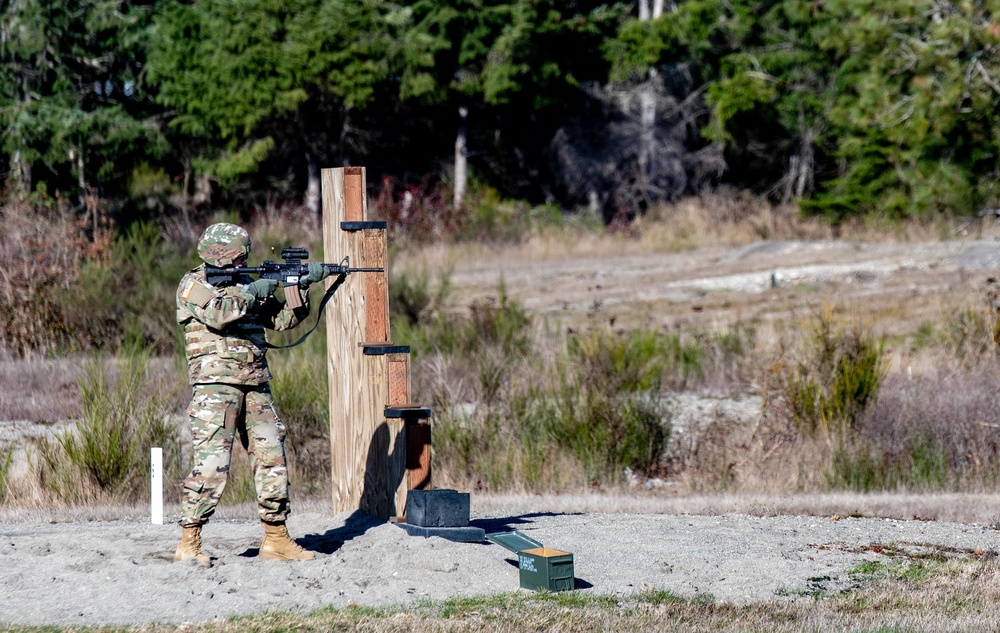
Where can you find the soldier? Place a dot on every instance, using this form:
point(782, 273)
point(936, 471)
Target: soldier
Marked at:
point(225, 345)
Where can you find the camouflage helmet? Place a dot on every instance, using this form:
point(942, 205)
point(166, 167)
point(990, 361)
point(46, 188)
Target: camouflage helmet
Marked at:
point(222, 244)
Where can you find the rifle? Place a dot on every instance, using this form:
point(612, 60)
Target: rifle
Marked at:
point(287, 273)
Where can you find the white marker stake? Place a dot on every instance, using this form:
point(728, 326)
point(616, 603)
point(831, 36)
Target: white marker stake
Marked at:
point(156, 484)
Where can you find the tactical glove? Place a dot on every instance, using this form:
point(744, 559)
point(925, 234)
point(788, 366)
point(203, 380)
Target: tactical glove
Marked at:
point(317, 272)
point(261, 289)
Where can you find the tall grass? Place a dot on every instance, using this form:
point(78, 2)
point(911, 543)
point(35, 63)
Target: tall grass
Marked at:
point(939, 432)
point(829, 384)
point(519, 406)
point(105, 456)
point(6, 460)
point(301, 395)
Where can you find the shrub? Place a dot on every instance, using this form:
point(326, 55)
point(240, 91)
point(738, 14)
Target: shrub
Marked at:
point(417, 211)
point(131, 293)
point(106, 455)
point(926, 433)
point(571, 421)
point(42, 251)
point(834, 379)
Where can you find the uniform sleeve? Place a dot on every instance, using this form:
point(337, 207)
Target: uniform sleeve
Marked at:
point(215, 307)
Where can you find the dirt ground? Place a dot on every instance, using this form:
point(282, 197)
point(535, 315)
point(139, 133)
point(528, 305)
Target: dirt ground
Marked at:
point(892, 285)
point(74, 571)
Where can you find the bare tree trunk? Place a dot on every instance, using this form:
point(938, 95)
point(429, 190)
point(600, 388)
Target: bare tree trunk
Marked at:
point(20, 175)
point(648, 9)
point(312, 199)
point(76, 158)
point(594, 202)
point(804, 182)
point(202, 189)
point(644, 10)
point(461, 157)
point(789, 188)
point(647, 119)
point(799, 178)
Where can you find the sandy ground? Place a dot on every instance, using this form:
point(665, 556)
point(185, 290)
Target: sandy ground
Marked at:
point(121, 572)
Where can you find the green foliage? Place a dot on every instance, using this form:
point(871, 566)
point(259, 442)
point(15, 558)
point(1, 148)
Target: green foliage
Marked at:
point(106, 455)
point(71, 93)
point(526, 54)
point(151, 188)
point(581, 420)
point(830, 390)
point(968, 335)
point(862, 106)
point(237, 73)
point(497, 324)
point(237, 162)
point(859, 106)
point(699, 31)
point(412, 300)
point(835, 380)
point(921, 463)
point(5, 463)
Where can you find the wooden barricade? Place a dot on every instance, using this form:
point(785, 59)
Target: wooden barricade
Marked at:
point(371, 415)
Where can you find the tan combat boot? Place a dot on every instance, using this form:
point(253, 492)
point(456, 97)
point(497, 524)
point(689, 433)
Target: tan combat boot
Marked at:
point(190, 546)
point(278, 545)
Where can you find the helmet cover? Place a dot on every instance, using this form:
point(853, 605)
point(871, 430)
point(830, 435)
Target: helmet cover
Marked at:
point(222, 244)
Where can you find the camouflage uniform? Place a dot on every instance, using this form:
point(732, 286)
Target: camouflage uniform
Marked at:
point(225, 345)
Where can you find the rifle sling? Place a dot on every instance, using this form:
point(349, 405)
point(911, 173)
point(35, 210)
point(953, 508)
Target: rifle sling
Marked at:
point(319, 313)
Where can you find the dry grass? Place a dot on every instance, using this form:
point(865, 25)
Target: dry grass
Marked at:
point(981, 508)
point(727, 219)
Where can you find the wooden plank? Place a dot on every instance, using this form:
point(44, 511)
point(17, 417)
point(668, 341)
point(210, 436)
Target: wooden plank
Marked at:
point(418, 455)
point(367, 452)
point(373, 255)
point(355, 200)
point(343, 327)
point(383, 472)
point(399, 379)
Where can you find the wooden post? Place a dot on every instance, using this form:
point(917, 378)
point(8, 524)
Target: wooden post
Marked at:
point(417, 429)
point(367, 450)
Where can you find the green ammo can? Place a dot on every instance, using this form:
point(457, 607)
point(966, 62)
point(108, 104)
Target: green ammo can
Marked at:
point(540, 567)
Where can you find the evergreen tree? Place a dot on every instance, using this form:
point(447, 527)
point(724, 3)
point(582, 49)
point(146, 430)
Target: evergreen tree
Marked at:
point(916, 107)
point(517, 68)
point(73, 106)
point(251, 79)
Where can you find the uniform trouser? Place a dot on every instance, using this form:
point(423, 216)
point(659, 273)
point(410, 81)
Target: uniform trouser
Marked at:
point(217, 413)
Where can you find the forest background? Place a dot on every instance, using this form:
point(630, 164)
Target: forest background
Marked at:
point(129, 126)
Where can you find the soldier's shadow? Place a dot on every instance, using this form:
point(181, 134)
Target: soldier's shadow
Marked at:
point(383, 473)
